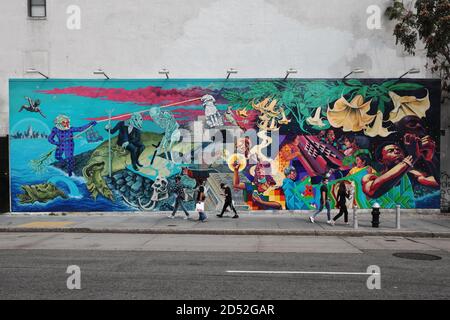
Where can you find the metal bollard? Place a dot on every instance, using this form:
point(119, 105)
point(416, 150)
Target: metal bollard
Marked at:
point(355, 217)
point(397, 216)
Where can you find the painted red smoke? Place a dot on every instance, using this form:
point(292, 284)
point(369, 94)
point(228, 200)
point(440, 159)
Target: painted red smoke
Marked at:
point(153, 96)
point(141, 96)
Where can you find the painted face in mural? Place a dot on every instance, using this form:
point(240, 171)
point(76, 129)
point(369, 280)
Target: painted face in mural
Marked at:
point(136, 121)
point(292, 175)
point(348, 142)
point(154, 112)
point(62, 122)
point(392, 155)
point(360, 163)
point(263, 177)
point(411, 124)
point(331, 136)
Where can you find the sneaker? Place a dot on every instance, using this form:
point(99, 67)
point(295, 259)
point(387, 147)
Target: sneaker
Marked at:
point(333, 222)
point(219, 215)
point(235, 216)
point(186, 218)
point(311, 219)
point(171, 216)
point(330, 222)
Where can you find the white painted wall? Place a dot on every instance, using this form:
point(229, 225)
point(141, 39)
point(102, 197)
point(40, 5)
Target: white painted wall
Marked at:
point(198, 39)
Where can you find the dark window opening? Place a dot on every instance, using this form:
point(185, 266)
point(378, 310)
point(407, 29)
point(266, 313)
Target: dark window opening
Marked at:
point(37, 8)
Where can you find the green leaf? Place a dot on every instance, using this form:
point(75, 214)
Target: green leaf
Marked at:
point(354, 82)
point(406, 86)
point(381, 106)
point(287, 98)
point(385, 98)
point(363, 91)
point(388, 84)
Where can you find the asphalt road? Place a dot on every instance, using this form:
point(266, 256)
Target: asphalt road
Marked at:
point(110, 274)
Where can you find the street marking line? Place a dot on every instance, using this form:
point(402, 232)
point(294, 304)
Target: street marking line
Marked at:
point(46, 224)
point(305, 272)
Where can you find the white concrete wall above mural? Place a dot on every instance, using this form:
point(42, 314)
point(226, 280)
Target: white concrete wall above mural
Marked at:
point(199, 39)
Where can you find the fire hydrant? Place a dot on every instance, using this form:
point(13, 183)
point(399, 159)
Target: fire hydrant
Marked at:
point(375, 215)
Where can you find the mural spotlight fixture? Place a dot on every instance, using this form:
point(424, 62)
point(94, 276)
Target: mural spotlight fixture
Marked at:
point(289, 72)
point(34, 71)
point(410, 71)
point(357, 70)
point(100, 71)
point(230, 72)
point(165, 72)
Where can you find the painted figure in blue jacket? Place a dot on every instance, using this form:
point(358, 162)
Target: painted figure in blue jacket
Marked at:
point(62, 136)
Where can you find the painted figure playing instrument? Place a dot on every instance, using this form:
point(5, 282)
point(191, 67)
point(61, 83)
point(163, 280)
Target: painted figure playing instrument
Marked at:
point(393, 184)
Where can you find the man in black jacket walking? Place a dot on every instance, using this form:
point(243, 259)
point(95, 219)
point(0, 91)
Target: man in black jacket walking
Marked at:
point(228, 201)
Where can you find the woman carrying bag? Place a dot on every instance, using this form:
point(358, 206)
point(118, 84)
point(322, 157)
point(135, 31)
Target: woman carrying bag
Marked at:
point(200, 206)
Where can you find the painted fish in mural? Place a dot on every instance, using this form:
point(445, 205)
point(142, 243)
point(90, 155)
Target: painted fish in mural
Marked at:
point(42, 193)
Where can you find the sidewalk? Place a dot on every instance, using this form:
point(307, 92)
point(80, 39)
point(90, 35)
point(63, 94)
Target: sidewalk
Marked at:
point(252, 223)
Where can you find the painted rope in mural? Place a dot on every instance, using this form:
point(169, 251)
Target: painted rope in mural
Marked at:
point(118, 145)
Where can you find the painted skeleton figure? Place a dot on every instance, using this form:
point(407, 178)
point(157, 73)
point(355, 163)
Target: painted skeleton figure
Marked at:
point(167, 122)
point(64, 143)
point(213, 117)
point(160, 192)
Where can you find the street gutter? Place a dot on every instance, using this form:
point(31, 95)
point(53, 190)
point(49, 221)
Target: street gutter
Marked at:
point(246, 232)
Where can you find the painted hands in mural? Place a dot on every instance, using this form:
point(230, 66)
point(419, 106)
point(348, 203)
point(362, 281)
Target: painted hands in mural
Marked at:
point(420, 147)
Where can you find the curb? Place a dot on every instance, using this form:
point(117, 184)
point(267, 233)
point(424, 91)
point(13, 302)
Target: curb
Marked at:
point(248, 232)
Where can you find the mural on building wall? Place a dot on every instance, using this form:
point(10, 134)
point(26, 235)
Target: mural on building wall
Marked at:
point(117, 145)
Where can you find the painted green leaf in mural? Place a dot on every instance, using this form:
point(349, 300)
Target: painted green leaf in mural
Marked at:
point(405, 86)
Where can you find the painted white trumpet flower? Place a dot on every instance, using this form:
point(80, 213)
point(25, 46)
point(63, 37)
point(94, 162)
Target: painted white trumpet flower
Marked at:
point(377, 128)
point(408, 106)
point(316, 120)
